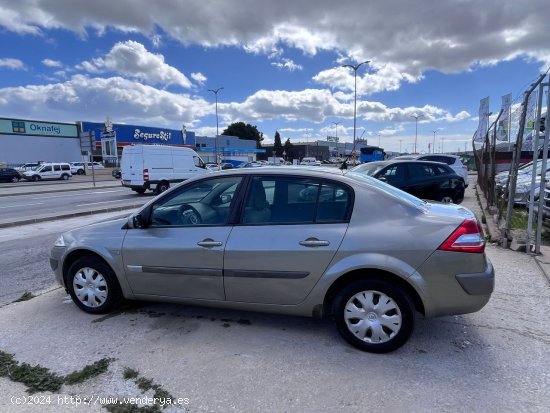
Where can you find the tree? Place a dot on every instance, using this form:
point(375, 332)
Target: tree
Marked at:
point(277, 146)
point(288, 149)
point(245, 131)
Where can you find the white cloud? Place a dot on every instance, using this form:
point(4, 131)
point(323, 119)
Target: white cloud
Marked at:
point(52, 63)
point(199, 78)
point(94, 98)
point(132, 59)
point(14, 64)
point(449, 36)
point(287, 64)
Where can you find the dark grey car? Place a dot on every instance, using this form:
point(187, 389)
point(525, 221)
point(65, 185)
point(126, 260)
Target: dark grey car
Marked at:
point(289, 240)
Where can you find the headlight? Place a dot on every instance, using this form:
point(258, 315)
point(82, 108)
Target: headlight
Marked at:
point(60, 242)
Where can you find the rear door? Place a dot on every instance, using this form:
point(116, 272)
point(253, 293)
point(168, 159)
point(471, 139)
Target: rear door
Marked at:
point(425, 180)
point(289, 232)
point(132, 165)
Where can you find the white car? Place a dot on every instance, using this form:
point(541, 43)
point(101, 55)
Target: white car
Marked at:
point(49, 170)
point(79, 168)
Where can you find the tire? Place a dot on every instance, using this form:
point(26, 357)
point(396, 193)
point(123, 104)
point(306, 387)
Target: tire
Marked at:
point(161, 187)
point(81, 172)
point(15, 179)
point(64, 177)
point(447, 199)
point(36, 178)
point(140, 191)
point(374, 337)
point(102, 284)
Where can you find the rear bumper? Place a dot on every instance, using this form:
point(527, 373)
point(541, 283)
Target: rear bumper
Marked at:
point(480, 283)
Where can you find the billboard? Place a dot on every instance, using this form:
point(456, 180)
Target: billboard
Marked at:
point(133, 134)
point(33, 128)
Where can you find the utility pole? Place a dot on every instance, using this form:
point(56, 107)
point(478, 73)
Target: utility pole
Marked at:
point(416, 130)
point(400, 141)
point(355, 67)
point(433, 147)
point(215, 91)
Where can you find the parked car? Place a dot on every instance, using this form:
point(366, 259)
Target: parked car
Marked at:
point(26, 167)
point(79, 168)
point(116, 173)
point(49, 170)
point(426, 180)
point(453, 161)
point(9, 175)
point(252, 164)
point(361, 251)
point(310, 161)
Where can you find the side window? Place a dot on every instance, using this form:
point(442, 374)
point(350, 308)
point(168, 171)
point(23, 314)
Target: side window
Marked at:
point(393, 173)
point(46, 169)
point(65, 167)
point(57, 168)
point(198, 162)
point(206, 202)
point(286, 200)
point(334, 203)
point(419, 171)
point(442, 170)
point(281, 200)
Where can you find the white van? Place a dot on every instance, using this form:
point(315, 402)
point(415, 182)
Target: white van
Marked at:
point(310, 161)
point(156, 167)
point(49, 170)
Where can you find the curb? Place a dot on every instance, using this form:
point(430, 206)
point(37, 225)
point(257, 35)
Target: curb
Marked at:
point(69, 215)
point(492, 228)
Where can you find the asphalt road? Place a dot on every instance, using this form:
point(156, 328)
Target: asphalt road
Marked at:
point(25, 255)
point(59, 203)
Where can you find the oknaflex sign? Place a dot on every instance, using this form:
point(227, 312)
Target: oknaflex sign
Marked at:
point(32, 128)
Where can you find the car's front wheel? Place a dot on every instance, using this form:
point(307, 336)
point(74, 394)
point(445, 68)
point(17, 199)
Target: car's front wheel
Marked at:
point(374, 315)
point(93, 285)
point(15, 179)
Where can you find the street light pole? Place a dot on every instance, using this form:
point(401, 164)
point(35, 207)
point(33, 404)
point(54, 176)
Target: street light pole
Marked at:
point(416, 130)
point(433, 146)
point(400, 140)
point(215, 91)
point(355, 67)
point(336, 135)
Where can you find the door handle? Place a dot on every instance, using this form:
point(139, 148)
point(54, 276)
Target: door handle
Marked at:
point(314, 242)
point(209, 243)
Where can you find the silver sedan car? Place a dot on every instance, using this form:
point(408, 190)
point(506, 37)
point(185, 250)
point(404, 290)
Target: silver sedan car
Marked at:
point(293, 240)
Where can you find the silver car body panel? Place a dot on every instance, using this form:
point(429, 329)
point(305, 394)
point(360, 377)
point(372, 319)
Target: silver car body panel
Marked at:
point(265, 268)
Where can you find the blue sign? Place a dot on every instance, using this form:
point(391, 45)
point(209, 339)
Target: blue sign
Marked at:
point(127, 134)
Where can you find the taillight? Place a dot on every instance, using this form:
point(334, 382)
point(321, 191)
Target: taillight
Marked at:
point(468, 237)
point(146, 174)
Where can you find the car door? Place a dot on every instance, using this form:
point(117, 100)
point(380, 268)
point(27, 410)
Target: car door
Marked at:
point(395, 175)
point(289, 231)
point(424, 178)
point(180, 254)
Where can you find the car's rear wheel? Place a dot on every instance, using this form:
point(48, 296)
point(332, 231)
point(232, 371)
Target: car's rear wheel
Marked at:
point(64, 177)
point(15, 179)
point(93, 286)
point(374, 315)
point(80, 172)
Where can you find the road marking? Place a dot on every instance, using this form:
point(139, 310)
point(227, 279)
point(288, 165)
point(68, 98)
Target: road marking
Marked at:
point(102, 202)
point(21, 205)
point(76, 193)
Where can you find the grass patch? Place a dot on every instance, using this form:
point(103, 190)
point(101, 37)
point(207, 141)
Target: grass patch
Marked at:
point(27, 295)
point(38, 378)
point(89, 371)
point(130, 374)
point(131, 408)
point(519, 219)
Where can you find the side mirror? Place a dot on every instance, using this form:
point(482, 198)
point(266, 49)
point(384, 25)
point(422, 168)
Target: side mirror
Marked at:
point(138, 221)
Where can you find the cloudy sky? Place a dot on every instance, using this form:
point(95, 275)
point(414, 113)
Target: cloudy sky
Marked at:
point(279, 63)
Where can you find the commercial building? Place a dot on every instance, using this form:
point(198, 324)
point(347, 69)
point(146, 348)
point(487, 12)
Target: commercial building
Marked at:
point(24, 141)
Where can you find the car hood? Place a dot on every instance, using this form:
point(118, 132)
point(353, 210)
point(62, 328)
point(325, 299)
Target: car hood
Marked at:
point(112, 229)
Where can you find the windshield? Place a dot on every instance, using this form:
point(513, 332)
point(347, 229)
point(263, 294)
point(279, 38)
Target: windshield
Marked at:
point(388, 189)
point(370, 168)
